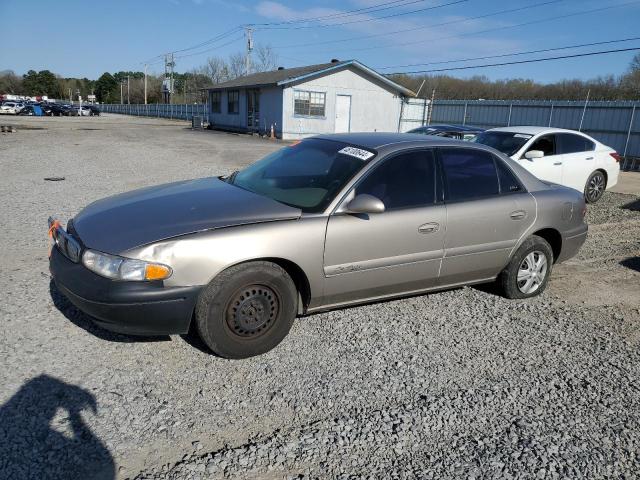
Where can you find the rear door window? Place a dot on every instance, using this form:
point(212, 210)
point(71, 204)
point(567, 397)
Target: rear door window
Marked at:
point(571, 143)
point(468, 173)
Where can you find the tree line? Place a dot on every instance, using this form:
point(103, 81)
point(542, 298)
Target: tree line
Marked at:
point(128, 86)
point(609, 87)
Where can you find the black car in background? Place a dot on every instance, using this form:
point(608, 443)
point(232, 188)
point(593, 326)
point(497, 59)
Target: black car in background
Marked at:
point(58, 110)
point(459, 132)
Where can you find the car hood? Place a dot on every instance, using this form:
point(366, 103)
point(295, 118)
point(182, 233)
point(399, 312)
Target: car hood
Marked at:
point(119, 223)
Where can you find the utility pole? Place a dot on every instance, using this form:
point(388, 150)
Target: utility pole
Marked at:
point(70, 97)
point(169, 63)
point(433, 97)
point(586, 102)
point(145, 83)
point(121, 85)
point(247, 59)
point(128, 98)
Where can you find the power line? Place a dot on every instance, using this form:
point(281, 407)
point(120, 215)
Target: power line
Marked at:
point(603, 52)
point(212, 48)
point(505, 27)
point(512, 54)
point(348, 13)
point(421, 27)
point(159, 58)
point(211, 40)
point(375, 19)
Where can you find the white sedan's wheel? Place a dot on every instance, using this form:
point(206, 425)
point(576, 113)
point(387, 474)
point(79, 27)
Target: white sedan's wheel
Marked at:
point(595, 187)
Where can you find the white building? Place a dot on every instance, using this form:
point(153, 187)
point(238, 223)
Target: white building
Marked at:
point(332, 97)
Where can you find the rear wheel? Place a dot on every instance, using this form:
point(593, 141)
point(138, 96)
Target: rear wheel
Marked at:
point(528, 272)
point(595, 187)
point(246, 310)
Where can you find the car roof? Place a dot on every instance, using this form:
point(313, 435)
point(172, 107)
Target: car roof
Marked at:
point(449, 127)
point(376, 140)
point(532, 130)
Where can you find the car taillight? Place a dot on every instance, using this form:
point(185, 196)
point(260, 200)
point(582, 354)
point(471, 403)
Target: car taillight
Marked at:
point(615, 156)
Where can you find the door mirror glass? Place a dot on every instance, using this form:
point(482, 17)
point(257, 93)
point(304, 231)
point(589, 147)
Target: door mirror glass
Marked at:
point(365, 203)
point(532, 154)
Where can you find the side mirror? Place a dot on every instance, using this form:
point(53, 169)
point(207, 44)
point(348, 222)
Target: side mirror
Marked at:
point(532, 154)
point(365, 203)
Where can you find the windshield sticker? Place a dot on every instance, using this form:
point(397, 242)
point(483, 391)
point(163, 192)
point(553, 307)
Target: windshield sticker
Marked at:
point(357, 152)
point(522, 135)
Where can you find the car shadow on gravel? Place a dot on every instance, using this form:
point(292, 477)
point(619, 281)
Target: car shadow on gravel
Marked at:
point(634, 206)
point(82, 320)
point(43, 433)
point(632, 263)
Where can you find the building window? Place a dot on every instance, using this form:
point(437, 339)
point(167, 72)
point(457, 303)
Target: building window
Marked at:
point(309, 103)
point(233, 101)
point(215, 102)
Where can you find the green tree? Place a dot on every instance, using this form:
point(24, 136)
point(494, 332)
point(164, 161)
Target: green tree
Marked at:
point(43, 82)
point(106, 88)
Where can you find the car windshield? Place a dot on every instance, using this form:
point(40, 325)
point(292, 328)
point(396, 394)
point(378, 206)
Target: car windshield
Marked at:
point(306, 175)
point(506, 142)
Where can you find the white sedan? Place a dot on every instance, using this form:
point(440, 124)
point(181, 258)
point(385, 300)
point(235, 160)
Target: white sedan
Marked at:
point(565, 157)
point(11, 108)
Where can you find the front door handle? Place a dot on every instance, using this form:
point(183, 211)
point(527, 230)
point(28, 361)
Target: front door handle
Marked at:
point(518, 215)
point(429, 227)
point(557, 163)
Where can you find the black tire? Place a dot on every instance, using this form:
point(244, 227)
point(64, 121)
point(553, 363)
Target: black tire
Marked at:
point(246, 310)
point(595, 186)
point(508, 280)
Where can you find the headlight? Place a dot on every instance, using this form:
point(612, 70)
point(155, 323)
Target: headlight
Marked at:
point(120, 268)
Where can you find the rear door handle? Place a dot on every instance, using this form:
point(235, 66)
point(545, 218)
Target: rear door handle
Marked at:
point(557, 163)
point(589, 158)
point(429, 227)
point(518, 215)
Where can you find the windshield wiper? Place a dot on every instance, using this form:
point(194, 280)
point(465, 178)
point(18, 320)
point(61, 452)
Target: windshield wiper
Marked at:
point(230, 179)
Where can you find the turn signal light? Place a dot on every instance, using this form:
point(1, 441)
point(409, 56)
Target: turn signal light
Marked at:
point(156, 272)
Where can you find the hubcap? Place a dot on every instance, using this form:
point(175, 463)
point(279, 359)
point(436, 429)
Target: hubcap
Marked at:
point(252, 310)
point(596, 187)
point(532, 272)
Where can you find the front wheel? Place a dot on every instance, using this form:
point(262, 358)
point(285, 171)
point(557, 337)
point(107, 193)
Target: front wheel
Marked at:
point(595, 187)
point(247, 310)
point(528, 272)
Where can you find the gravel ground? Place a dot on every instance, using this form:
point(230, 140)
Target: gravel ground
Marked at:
point(458, 384)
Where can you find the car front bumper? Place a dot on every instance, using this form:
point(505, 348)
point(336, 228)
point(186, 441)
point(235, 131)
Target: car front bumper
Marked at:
point(135, 308)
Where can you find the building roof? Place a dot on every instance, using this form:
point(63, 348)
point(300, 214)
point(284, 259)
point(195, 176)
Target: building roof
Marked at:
point(282, 77)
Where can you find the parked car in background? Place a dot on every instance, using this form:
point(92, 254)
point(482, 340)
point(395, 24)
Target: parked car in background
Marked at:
point(82, 111)
point(32, 110)
point(46, 108)
point(327, 222)
point(94, 109)
point(58, 110)
point(11, 108)
point(459, 132)
point(565, 157)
